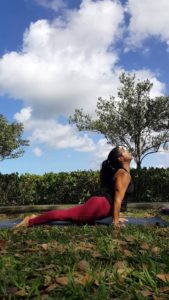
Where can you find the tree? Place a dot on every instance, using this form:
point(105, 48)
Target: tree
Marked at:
point(11, 142)
point(133, 119)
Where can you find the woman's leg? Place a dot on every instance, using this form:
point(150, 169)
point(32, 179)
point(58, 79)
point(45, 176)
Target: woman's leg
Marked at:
point(94, 208)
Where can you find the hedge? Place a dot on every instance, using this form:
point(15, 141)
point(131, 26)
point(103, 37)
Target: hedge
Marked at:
point(150, 185)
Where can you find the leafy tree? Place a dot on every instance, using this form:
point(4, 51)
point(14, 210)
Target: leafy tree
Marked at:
point(133, 119)
point(11, 142)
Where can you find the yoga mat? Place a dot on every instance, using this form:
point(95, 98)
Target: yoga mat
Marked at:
point(106, 221)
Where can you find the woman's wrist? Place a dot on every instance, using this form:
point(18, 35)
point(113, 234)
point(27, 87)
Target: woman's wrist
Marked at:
point(115, 221)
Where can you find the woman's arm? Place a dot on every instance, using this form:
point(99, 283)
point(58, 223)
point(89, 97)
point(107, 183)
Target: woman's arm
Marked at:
point(122, 180)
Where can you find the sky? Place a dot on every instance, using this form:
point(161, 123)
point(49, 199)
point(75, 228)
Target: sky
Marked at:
point(56, 56)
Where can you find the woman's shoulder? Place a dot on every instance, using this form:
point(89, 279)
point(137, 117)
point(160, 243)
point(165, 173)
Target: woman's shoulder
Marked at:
point(122, 173)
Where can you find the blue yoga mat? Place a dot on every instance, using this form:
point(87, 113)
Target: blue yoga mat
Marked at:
point(106, 221)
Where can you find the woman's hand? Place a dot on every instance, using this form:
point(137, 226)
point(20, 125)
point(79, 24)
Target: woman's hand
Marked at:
point(122, 220)
point(120, 223)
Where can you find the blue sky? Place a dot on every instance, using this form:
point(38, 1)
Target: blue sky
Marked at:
point(58, 55)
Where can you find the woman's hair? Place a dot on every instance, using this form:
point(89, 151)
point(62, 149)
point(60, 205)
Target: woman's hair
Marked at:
point(109, 166)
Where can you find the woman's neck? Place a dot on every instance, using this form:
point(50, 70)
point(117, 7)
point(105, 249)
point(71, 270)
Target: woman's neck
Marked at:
point(126, 166)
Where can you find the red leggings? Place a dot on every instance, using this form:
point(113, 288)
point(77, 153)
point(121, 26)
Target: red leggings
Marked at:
point(95, 208)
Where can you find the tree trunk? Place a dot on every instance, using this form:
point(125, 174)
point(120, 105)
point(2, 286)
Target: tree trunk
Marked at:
point(138, 162)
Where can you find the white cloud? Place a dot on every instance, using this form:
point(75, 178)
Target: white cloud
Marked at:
point(52, 134)
point(37, 151)
point(24, 115)
point(158, 88)
point(57, 136)
point(101, 152)
point(66, 63)
point(148, 18)
point(52, 4)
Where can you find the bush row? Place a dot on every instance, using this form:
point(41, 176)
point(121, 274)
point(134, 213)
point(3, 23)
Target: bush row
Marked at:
point(150, 185)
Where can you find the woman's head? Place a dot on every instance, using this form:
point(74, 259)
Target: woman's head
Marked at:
point(115, 160)
point(118, 156)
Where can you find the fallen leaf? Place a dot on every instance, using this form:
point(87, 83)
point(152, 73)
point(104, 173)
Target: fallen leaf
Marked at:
point(31, 250)
point(51, 287)
point(44, 246)
point(130, 238)
point(44, 297)
point(30, 242)
point(85, 246)
point(146, 293)
point(21, 293)
point(144, 246)
point(47, 280)
point(127, 253)
point(2, 244)
point(63, 280)
point(155, 250)
point(118, 242)
point(82, 279)
point(83, 266)
point(96, 282)
point(95, 254)
point(164, 277)
point(164, 289)
point(17, 255)
point(120, 264)
point(59, 247)
point(122, 269)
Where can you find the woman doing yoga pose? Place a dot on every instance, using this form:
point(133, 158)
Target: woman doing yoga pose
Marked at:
point(115, 183)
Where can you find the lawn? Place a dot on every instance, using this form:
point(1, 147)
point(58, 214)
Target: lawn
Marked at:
point(87, 262)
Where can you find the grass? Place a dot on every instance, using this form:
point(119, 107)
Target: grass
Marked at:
point(85, 262)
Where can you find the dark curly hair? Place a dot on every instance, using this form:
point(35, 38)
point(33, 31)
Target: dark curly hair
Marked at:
point(110, 166)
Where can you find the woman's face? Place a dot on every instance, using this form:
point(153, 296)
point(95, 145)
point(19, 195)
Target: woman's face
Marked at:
point(126, 154)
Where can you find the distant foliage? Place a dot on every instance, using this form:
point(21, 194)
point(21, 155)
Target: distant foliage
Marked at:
point(11, 142)
point(151, 185)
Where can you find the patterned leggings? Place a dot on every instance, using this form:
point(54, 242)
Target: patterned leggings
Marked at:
point(95, 208)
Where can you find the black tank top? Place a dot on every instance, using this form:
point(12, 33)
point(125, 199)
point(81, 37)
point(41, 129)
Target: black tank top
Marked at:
point(110, 190)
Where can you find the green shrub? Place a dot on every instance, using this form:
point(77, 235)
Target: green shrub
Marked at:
point(150, 185)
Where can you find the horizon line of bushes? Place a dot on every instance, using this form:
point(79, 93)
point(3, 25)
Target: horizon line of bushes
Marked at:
point(150, 185)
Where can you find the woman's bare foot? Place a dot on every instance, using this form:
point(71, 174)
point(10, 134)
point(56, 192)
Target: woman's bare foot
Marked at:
point(24, 222)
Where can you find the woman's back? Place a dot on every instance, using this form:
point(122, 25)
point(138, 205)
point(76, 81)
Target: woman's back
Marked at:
point(108, 190)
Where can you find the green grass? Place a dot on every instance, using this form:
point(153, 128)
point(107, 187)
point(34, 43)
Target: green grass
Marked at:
point(85, 262)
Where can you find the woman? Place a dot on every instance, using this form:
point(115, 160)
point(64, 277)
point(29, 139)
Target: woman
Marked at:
point(115, 182)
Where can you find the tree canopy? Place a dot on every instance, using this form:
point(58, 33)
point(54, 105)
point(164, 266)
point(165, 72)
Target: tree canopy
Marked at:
point(132, 119)
point(11, 142)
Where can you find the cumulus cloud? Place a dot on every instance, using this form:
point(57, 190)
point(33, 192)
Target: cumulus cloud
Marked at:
point(158, 88)
point(148, 18)
point(52, 134)
point(102, 148)
point(65, 63)
point(37, 151)
point(52, 4)
point(24, 115)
